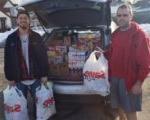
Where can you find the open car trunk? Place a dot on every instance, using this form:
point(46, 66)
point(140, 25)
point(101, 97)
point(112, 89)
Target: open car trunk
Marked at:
point(78, 27)
point(72, 13)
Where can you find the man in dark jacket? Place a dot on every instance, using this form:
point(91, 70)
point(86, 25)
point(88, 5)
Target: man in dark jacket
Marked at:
point(129, 63)
point(26, 62)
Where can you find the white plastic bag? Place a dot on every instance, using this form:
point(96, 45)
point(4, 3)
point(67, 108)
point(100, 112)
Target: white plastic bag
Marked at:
point(95, 72)
point(15, 104)
point(45, 104)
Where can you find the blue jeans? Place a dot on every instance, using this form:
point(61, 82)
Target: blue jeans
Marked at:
point(28, 88)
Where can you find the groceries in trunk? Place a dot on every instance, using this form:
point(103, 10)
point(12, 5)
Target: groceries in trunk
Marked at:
point(68, 52)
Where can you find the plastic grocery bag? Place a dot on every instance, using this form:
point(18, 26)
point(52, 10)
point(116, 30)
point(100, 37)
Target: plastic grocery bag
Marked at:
point(45, 103)
point(15, 104)
point(95, 72)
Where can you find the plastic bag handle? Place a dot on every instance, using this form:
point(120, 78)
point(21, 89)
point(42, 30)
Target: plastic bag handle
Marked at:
point(92, 55)
point(18, 92)
point(45, 85)
point(16, 89)
point(99, 50)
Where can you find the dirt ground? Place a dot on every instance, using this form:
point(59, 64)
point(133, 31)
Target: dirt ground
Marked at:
point(144, 115)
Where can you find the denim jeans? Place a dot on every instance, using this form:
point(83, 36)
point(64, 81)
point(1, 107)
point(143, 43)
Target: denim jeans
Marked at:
point(120, 97)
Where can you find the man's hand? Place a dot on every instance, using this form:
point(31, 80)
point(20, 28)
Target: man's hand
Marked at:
point(44, 80)
point(137, 88)
point(11, 83)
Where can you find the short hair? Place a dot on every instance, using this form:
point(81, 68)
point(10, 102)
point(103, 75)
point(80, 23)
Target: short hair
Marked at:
point(126, 6)
point(22, 11)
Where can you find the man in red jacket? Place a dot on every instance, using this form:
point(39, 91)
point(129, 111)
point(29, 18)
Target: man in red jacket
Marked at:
point(129, 63)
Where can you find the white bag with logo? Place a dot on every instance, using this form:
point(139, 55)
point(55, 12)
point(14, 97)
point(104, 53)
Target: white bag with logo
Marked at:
point(15, 104)
point(95, 72)
point(45, 103)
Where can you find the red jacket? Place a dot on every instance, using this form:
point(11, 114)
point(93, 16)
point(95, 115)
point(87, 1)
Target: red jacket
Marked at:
point(130, 55)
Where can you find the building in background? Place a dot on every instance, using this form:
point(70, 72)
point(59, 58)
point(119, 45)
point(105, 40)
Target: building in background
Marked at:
point(7, 19)
point(5, 22)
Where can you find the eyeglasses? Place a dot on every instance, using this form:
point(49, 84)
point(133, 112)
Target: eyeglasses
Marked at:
point(123, 15)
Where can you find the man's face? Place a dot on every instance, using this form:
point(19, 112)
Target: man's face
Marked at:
point(23, 21)
point(123, 17)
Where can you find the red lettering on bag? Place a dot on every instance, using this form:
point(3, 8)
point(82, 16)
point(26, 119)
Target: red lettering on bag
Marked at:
point(48, 102)
point(15, 108)
point(95, 75)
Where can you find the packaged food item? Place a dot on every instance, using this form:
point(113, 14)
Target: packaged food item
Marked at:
point(68, 52)
point(76, 60)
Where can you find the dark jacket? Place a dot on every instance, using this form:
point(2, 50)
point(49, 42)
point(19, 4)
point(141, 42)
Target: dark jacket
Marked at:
point(38, 62)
